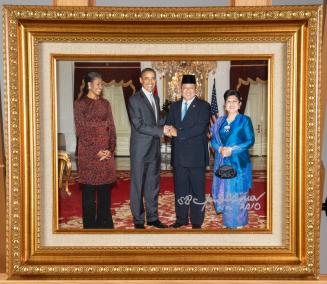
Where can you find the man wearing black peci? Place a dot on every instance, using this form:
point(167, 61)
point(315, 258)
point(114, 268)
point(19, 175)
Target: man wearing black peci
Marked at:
point(188, 120)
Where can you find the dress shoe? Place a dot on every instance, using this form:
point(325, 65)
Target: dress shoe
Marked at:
point(139, 226)
point(89, 225)
point(157, 224)
point(105, 224)
point(177, 225)
point(196, 226)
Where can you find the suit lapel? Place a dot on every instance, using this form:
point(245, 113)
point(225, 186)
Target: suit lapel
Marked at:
point(191, 109)
point(179, 110)
point(147, 103)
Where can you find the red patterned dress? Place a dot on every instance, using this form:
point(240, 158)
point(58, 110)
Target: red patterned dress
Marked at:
point(95, 130)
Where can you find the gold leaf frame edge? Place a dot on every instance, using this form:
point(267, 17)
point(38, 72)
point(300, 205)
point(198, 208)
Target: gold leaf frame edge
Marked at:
point(312, 142)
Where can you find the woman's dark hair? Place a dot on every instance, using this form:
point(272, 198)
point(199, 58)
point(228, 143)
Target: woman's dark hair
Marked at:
point(235, 93)
point(90, 77)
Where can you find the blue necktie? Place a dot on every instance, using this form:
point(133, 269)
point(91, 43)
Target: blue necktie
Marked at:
point(184, 110)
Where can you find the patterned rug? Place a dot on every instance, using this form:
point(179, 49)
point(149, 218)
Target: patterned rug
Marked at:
point(70, 206)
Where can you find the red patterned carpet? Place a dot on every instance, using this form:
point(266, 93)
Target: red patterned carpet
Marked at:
point(70, 210)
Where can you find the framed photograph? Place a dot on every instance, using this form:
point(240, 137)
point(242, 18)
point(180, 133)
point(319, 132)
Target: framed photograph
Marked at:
point(121, 80)
point(42, 43)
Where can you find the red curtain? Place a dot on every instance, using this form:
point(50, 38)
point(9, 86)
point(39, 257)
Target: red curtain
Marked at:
point(110, 71)
point(244, 69)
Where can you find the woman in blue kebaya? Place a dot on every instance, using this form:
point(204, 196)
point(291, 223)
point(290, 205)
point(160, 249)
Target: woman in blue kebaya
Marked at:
point(232, 136)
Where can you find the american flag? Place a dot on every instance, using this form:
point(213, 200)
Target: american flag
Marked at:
point(213, 105)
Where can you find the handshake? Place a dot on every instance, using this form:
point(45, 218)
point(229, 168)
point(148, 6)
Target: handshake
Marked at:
point(170, 131)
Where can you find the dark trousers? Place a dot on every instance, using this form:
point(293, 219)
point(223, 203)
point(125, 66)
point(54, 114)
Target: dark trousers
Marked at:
point(145, 181)
point(96, 205)
point(189, 194)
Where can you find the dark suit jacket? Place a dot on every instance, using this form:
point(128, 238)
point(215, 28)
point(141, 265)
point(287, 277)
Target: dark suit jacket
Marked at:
point(146, 132)
point(190, 146)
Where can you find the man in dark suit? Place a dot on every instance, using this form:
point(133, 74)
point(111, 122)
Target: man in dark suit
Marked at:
point(188, 120)
point(145, 152)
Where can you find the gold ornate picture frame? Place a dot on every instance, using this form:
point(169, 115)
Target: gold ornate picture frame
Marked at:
point(289, 36)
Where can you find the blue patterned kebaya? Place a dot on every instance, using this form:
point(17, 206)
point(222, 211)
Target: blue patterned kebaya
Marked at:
point(230, 195)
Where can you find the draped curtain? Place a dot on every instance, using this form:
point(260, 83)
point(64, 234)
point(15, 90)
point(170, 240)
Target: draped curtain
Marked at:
point(110, 71)
point(245, 71)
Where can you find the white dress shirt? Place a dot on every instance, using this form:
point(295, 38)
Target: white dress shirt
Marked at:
point(151, 100)
point(188, 103)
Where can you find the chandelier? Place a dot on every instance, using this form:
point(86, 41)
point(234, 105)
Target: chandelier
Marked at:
point(173, 71)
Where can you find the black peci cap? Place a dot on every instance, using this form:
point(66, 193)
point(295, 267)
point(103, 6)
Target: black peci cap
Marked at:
point(188, 79)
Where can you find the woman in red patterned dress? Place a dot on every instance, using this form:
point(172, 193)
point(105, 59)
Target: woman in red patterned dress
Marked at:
point(96, 135)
